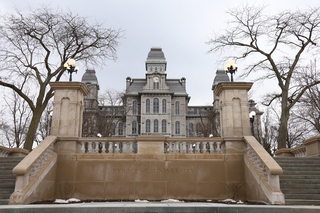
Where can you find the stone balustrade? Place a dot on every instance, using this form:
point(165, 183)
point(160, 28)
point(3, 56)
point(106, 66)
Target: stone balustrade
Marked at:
point(192, 147)
point(299, 151)
point(4, 151)
point(32, 169)
point(108, 147)
point(264, 169)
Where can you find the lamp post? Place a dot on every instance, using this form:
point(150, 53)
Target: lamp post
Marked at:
point(252, 114)
point(71, 67)
point(231, 68)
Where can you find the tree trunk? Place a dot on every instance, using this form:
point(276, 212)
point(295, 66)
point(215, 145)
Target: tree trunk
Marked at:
point(32, 129)
point(283, 129)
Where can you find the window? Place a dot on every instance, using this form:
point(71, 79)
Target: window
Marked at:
point(148, 126)
point(177, 128)
point(176, 107)
point(164, 106)
point(134, 107)
point(190, 129)
point(156, 105)
point(155, 126)
point(134, 127)
point(120, 129)
point(155, 85)
point(148, 106)
point(164, 126)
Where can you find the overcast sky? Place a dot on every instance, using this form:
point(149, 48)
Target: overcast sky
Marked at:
point(180, 27)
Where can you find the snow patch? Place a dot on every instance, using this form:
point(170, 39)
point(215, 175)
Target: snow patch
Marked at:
point(171, 201)
point(141, 201)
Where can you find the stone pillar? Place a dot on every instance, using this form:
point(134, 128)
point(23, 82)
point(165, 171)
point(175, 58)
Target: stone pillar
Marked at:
point(68, 108)
point(234, 109)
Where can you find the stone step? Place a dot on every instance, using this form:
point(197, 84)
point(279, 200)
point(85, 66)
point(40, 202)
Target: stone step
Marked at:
point(299, 181)
point(4, 201)
point(6, 172)
point(7, 185)
point(293, 159)
point(300, 177)
point(11, 159)
point(5, 195)
point(292, 172)
point(300, 191)
point(7, 176)
point(6, 190)
point(303, 196)
point(302, 202)
point(294, 168)
point(299, 186)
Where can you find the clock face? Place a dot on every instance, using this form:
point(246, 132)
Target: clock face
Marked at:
point(156, 79)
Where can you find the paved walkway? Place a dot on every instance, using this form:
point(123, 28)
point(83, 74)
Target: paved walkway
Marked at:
point(155, 207)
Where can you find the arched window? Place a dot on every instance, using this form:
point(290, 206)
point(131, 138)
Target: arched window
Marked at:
point(190, 129)
point(156, 105)
point(134, 127)
point(164, 126)
point(148, 106)
point(148, 126)
point(177, 127)
point(120, 129)
point(176, 107)
point(155, 85)
point(134, 107)
point(164, 106)
point(155, 126)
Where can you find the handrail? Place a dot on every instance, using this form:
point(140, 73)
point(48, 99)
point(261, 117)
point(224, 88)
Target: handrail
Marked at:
point(264, 156)
point(24, 166)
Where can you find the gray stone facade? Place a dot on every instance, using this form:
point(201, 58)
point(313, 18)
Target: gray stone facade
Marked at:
point(154, 105)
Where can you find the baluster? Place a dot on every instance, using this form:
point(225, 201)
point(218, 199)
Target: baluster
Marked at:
point(204, 147)
point(174, 147)
point(110, 147)
point(103, 148)
point(190, 147)
point(130, 147)
point(90, 147)
point(170, 148)
point(184, 148)
point(211, 147)
point(97, 148)
point(218, 147)
point(197, 148)
point(117, 149)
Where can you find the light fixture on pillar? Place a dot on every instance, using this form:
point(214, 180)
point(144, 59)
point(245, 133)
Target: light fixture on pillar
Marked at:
point(71, 67)
point(231, 68)
point(252, 114)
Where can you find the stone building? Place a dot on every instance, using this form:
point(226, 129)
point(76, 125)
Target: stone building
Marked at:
point(154, 105)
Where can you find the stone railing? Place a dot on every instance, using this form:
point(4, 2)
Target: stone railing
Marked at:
point(299, 151)
point(32, 169)
point(108, 145)
point(193, 146)
point(265, 170)
point(4, 151)
point(13, 152)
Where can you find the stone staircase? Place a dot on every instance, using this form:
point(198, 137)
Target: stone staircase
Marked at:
point(7, 179)
point(300, 181)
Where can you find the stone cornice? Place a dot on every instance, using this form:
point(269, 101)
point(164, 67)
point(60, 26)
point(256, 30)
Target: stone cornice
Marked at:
point(232, 86)
point(61, 85)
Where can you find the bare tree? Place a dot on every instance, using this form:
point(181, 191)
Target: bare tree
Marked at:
point(35, 46)
point(19, 116)
point(276, 45)
point(209, 122)
point(307, 110)
point(104, 119)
